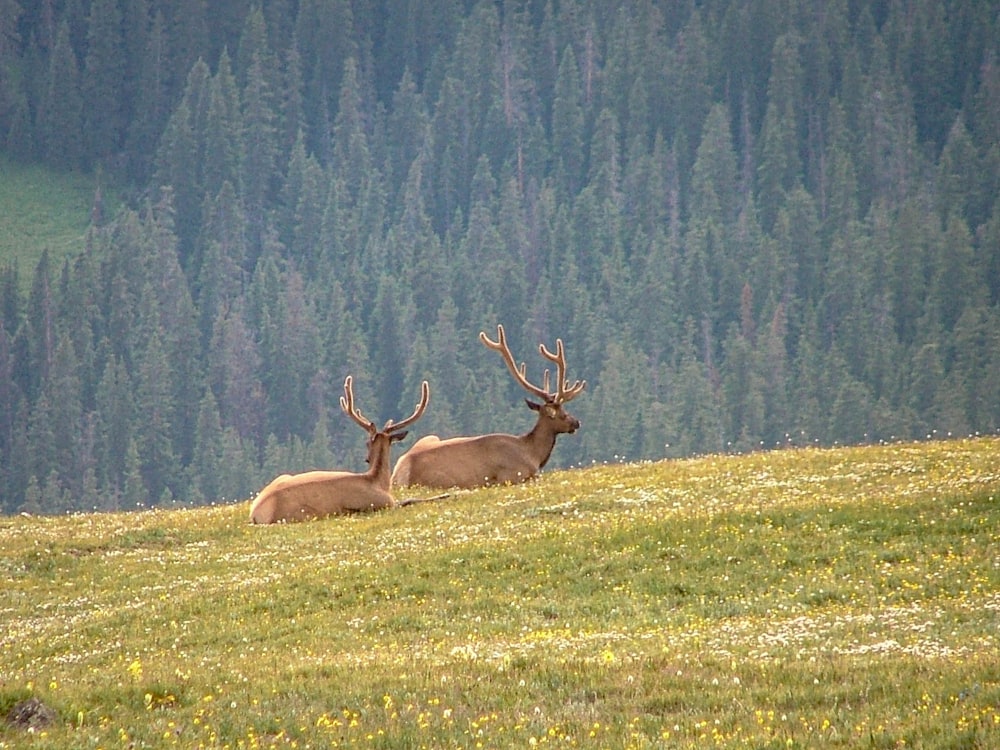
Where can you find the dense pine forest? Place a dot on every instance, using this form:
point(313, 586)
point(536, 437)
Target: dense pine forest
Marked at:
point(754, 223)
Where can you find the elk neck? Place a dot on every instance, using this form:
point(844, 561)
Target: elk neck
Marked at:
point(379, 465)
point(542, 440)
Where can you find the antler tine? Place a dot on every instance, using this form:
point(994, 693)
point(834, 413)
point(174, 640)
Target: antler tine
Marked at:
point(519, 373)
point(564, 391)
point(347, 404)
point(425, 395)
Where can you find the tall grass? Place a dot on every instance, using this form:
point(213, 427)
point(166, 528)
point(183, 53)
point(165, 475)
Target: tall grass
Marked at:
point(807, 598)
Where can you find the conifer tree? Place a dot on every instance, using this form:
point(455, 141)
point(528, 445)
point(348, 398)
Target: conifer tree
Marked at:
point(159, 463)
point(406, 133)
point(152, 98)
point(63, 392)
point(11, 97)
point(223, 123)
point(779, 165)
point(567, 126)
point(187, 38)
point(104, 85)
point(234, 376)
point(61, 111)
point(208, 460)
point(115, 425)
point(258, 150)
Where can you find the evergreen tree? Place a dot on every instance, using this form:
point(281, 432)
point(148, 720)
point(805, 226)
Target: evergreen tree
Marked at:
point(887, 128)
point(32, 498)
point(413, 34)
point(742, 392)
point(307, 217)
point(55, 497)
point(689, 88)
point(104, 85)
point(60, 117)
point(177, 171)
point(187, 38)
point(407, 125)
point(63, 395)
point(259, 150)
point(289, 348)
point(159, 464)
point(19, 139)
point(389, 313)
point(40, 330)
point(115, 426)
point(774, 368)
point(612, 411)
point(221, 141)
point(233, 369)
point(291, 101)
point(567, 127)
point(963, 183)
point(926, 377)
point(779, 163)
point(325, 34)
point(134, 492)
point(241, 475)
point(692, 396)
point(11, 406)
point(41, 437)
point(151, 104)
point(178, 321)
point(209, 454)
point(11, 98)
point(223, 245)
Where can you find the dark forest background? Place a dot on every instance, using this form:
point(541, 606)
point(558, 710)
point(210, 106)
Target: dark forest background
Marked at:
point(754, 223)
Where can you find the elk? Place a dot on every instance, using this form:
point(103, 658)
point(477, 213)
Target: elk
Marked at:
point(317, 494)
point(467, 462)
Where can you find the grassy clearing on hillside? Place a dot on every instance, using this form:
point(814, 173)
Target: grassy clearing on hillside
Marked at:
point(807, 598)
point(39, 210)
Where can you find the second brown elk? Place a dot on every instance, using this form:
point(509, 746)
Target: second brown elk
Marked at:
point(498, 458)
point(317, 494)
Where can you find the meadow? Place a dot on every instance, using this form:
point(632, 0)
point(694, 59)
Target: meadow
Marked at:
point(41, 209)
point(834, 598)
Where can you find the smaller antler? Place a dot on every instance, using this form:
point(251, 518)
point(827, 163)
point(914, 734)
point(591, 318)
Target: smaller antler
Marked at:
point(519, 373)
point(565, 392)
point(347, 404)
point(425, 394)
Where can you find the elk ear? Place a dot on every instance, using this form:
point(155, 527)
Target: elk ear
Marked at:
point(532, 405)
point(397, 436)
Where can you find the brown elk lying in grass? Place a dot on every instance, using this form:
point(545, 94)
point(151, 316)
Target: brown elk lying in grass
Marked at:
point(316, 494)
point(497, 458)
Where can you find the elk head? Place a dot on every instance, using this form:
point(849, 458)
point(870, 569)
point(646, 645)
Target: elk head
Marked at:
point(551, 407)
point(380, 440)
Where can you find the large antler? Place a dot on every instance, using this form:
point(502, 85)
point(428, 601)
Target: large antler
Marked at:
point(519, 373)
point(564, 391)
point(347, 404)
point(425, 394)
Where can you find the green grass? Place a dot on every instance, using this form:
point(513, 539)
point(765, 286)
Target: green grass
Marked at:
point(41, 209)
point(809, 598)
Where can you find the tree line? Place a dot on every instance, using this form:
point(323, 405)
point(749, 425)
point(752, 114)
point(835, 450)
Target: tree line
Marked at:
point(754, 223)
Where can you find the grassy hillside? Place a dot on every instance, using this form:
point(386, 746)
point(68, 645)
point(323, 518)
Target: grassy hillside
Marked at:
point(808, 598)
point(41, 209)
